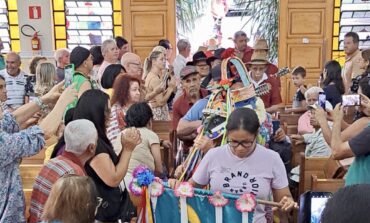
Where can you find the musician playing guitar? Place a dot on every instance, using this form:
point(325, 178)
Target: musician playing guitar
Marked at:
point(257, 68)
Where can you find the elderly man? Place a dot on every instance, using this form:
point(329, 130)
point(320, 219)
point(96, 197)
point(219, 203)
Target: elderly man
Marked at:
point(81, 139)
point(132, 63)
point(61, 56)
point(352, 66)
point(180, 61)
point(184, 48)
point(241, 49)
point(15, 80)
point(257, 68)
point(192, 92)
point(312, 96)
point(110, 53)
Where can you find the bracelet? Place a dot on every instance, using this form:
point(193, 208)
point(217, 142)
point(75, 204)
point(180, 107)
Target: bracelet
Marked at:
point(41, 104)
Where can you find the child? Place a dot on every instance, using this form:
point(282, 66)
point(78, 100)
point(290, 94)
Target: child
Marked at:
point(299, 101)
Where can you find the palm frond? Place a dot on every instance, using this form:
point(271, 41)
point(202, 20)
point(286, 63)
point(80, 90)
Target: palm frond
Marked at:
point(187, 11)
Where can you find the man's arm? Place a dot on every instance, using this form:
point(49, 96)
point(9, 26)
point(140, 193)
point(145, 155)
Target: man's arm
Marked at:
point(185, 129)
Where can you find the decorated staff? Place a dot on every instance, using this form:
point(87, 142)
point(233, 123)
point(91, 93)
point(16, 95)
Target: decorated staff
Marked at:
point(224, 99)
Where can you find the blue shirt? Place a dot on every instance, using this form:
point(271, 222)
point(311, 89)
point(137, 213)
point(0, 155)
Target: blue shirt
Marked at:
point(195, 113)
point(14, 145)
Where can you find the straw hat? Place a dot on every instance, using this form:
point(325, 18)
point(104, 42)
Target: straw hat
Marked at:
point(258, 59)
point(260, 44)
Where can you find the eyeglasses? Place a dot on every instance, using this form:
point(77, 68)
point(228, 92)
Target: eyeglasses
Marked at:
point(136, 64)
point(244, 144)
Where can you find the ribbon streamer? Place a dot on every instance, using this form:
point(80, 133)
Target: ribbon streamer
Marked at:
point(184, 210)
point(244, 217)
point(218, 214)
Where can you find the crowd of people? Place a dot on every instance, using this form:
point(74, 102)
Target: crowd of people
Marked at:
point(101, 127)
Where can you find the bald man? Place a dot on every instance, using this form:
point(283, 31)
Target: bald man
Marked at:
point(132, 63)
point(15, 80)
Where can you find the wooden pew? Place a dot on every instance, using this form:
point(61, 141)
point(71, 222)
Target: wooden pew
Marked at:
point(290, 119)
point(320, 174)
point(333, 179)
point(163, 130)
point(310, 166)
point(28, 174)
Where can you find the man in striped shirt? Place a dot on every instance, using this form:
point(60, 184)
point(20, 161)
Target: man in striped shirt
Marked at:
point(81, 139)
point(15, 80)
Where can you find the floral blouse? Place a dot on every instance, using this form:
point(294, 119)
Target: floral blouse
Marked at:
point(14, 145)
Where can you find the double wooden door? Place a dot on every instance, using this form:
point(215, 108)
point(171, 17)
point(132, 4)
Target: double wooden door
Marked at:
point(145, 22)
point(305, 39)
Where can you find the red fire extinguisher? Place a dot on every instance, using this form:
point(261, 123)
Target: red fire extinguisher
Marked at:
point(35, 42)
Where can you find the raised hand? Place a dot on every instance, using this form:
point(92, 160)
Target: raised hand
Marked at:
point(130, 138)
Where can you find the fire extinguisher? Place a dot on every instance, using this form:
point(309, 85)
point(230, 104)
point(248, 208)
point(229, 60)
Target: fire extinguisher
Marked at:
point(35, 42)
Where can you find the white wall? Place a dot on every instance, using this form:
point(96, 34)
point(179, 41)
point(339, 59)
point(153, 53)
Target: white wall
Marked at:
point(44, 25)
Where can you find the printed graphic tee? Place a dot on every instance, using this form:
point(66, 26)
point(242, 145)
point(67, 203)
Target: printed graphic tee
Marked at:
point(258, 174)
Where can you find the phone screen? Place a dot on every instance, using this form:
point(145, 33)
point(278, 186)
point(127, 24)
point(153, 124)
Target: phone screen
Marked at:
point(322, 100)
point(351, 100)
point(68, 74)
point(318, 203)
point(275, 126)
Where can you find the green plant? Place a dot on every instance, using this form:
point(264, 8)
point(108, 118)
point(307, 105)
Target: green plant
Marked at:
point(264, 18)
point(187, 11)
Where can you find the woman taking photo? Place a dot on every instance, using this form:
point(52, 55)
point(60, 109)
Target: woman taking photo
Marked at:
point(126, 91)
point(155, 65)
point(333, 82)
point(241, 170)
point(106, 168)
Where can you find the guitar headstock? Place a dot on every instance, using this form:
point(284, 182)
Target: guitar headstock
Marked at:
point(263, 89)
point(282, 72)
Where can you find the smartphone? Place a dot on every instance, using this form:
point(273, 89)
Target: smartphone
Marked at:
point(351, 100)
point(318, 202)
point(311, 206)
point(322, 100)
point(69, 70)
point(275, 126)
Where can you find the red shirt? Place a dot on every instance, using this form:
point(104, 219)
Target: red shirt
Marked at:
point(273, 97)
point(65, 164)
point(182, 106)
point(247, 56)
point(272, 69)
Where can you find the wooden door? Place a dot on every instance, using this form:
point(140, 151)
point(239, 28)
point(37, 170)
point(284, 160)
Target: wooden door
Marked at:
point(145, 22)
point(305, 38)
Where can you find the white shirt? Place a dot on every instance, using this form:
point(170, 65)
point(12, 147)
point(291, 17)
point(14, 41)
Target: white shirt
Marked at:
point(179, 63)
point(15, 87)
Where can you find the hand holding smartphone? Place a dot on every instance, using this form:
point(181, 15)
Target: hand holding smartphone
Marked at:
point(69, 70)
point(351, 100)
point(275, 126)
point(322, 100)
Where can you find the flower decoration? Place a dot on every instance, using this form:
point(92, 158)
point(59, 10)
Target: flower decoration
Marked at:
point(226, 83)
point(143, 175)
point(218, 200)
point(157, 188)
point(185, 189)
point(135, 188)
point(246, 203)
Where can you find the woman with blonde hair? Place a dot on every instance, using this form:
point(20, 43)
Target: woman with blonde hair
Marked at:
point(154, 66)
point(45, 78)
point(72, 199)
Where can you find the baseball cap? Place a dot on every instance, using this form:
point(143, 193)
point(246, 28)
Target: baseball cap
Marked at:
point(186, 71)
